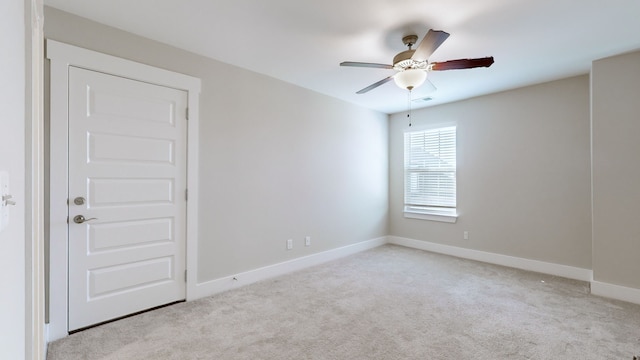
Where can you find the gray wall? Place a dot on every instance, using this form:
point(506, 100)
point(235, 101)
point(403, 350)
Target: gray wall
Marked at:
point(277, 161)
point(13, 302)
point(523, 173)
point(323, 169)
point(616, 170)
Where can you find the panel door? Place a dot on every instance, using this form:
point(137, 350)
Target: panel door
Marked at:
point(127, 178)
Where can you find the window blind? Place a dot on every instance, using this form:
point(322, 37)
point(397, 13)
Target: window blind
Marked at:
point(430, 168)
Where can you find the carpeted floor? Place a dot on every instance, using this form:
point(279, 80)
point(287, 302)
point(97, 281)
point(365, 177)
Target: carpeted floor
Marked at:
point(387, 303)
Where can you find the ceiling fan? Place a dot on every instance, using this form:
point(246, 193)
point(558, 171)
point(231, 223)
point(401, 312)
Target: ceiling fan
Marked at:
point(412, 65)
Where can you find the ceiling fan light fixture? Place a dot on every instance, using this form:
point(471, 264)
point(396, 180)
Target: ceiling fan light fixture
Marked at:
point(410, 78)
point(412, 65)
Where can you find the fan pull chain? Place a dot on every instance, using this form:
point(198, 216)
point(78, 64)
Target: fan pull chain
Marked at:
point(409, 106)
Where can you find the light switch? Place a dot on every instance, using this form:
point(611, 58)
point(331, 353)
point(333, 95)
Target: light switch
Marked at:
point(5, 200)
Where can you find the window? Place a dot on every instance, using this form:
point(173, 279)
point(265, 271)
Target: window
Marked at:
point(430, 174)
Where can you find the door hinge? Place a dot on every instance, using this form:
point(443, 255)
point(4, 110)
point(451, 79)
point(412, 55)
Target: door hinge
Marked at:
point(187, 113)
point(186, 194)
point(185, 275)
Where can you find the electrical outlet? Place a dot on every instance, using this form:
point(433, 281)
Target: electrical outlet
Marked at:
point(307, 241)
point(466, 235)
point(289, 244)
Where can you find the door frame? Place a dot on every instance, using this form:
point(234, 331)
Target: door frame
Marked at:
point(62, 56)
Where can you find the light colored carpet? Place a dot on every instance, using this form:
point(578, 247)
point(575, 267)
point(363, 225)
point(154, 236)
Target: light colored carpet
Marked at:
point(387, 303)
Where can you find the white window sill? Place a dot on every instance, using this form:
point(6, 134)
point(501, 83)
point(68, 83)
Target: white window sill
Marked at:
point(432, 216)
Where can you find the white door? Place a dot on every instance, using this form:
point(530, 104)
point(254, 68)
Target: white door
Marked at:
point(127, 178)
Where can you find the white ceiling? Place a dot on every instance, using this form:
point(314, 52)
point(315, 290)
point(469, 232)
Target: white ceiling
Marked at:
point(302, 42)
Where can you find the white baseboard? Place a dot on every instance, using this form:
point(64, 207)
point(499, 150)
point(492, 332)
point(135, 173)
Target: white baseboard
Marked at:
point(46, 339)
point(498, 259)
point(617, 292)
point(212, 287)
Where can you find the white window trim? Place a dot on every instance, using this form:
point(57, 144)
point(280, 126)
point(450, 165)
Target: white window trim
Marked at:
point(433, 214)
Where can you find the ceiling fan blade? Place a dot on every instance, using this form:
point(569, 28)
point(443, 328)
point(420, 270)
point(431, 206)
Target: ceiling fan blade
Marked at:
point(375, 85)
point(462, 64)
point(429, 44)
point(364, 64)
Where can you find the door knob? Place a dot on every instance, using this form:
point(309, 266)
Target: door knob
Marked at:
point(79, 219)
